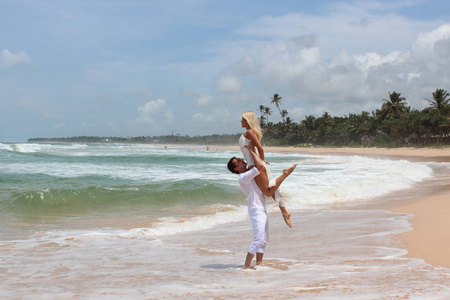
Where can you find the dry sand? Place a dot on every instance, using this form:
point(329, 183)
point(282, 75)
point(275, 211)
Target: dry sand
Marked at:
point(430, 237)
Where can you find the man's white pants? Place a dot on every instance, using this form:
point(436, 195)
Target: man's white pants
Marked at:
point(260, 224)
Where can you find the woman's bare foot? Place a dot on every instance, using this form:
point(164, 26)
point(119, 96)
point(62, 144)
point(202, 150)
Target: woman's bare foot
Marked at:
point(286, 216)
point(287, 219)
point(288, 172)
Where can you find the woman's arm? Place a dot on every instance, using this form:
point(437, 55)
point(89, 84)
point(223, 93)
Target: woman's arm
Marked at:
point(251, 135)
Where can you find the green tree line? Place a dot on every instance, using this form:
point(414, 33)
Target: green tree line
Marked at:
point(394, 124)
point(214, 139)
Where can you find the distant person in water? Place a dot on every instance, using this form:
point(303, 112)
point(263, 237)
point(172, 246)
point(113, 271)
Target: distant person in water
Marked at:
point(251, 139)
point(256, 202)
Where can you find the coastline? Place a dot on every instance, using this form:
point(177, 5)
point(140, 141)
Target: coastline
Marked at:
point(421, 154)
point(431, 223)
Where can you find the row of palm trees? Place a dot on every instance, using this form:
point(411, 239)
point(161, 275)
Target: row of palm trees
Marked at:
point(266, 111)
point(394, 124)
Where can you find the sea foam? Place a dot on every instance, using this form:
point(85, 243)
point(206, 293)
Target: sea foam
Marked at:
point(329, 180)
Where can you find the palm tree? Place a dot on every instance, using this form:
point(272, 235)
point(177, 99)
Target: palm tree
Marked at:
point(395, 106)
point(440, 100)
point(288, 121)
point(284, 114)
point(310, 124)
point(261, 118)
point(325, 120)
point(261, 121)
point(267, 112)
point(356, 123)
point(324, 125)
point(261, 110)
point(276, 99)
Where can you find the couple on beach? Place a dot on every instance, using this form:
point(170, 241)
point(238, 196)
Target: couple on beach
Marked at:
point(255, 180)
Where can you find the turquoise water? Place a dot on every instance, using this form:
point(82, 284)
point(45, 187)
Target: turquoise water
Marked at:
point(41, 182)
point(52, 178)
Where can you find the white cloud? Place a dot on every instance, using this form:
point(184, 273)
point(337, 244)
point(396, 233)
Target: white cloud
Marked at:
point(346, 60)
point(297, 113)
point(199, 117)
point(282, 61)
point(153, 106)
point(8, 59)
point(155, 111)
point(217, 116)
point(426, 41)
point(371, 60)
point(359, 26)
point(229, 84)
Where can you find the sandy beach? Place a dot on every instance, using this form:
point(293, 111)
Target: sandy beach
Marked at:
point(429, 239)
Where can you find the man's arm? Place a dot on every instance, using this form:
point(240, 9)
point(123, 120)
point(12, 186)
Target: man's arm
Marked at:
point(248, 176)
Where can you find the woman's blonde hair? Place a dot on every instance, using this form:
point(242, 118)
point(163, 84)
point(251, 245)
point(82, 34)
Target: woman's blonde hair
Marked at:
point(253, 122)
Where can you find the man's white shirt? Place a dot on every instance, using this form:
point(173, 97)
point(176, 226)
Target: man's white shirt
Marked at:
point(255, 196)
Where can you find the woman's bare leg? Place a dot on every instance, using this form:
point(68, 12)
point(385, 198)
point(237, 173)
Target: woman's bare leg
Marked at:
point(263, 182)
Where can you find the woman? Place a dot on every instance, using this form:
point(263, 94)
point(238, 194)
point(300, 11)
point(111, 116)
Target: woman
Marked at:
point(252, 139)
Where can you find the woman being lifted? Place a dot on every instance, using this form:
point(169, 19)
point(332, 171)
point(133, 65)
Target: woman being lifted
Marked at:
point(252, 139)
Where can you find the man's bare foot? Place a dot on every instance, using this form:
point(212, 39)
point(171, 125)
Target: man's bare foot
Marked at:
point(287, 219)
point(288, 172)
point(249, 268)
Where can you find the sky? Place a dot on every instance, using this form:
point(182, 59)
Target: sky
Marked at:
point(191, 67)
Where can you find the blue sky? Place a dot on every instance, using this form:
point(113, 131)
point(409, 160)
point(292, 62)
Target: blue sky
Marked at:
point(133, 68)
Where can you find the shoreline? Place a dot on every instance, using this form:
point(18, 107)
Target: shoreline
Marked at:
point(428, 239)
point(415, 154)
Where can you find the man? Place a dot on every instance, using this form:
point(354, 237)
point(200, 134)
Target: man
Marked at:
point(256, 203)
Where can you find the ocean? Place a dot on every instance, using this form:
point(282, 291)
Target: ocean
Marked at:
point(139, 221)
